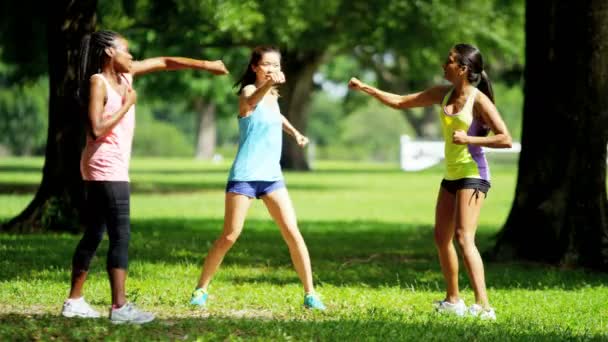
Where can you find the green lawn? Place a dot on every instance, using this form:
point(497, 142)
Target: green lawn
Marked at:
point(369, 231)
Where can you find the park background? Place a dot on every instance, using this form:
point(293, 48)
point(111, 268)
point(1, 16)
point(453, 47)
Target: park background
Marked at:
point(368, 224)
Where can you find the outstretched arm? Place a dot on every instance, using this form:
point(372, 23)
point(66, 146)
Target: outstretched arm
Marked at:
point(289, 129)
point(424, 98)
point(177, 63)
point(488, 112)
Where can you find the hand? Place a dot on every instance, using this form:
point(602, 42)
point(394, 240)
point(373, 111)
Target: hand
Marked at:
point(216, 68)
point(355, 84)
point(301, 140)
point(460, 137)
point(276, 77)
point(130, 97)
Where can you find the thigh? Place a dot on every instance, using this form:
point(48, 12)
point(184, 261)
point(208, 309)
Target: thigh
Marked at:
point(95, 208)
point(444, 213)
point(280, 207)
point(468, 207)
point(118, 216)
point(235, 211)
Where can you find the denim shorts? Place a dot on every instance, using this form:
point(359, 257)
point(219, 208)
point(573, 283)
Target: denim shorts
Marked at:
point(480, 185)
point(253, 189)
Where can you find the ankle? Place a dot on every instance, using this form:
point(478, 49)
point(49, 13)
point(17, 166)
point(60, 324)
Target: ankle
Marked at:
point(452, 299)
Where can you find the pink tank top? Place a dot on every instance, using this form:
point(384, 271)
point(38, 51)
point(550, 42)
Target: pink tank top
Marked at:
point(107, 157)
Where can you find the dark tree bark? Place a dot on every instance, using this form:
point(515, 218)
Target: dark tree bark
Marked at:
point(56, 205)
point(299, 68)
point(559, 214)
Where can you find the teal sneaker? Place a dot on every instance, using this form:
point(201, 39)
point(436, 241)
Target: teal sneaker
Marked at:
point(312, 301)
point(199, 297)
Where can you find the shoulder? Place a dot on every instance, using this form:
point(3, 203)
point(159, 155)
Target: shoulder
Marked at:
point(96, 82)
point(96, 78)
point(439, 92)
point(248, 90)
point(482, 100)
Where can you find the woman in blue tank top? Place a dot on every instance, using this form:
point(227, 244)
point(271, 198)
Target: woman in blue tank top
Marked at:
point(256, 172)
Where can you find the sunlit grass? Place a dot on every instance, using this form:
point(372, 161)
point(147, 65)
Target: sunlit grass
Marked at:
point(369, 231)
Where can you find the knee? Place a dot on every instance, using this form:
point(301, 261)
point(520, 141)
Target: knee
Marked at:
point(227, 240)
point(465, 239)
point(441, 239)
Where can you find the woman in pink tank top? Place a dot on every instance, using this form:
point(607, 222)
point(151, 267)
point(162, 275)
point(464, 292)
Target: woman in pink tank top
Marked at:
point(106, 75)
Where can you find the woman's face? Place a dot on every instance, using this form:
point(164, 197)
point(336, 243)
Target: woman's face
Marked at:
point(122, 60)
point(268, 64)
point(452, 71)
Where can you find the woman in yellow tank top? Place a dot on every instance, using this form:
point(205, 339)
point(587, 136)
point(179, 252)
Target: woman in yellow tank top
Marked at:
point(467, 115)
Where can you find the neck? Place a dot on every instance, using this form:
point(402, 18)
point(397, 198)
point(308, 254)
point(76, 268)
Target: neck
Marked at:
point(110, 73)
point(462, 87)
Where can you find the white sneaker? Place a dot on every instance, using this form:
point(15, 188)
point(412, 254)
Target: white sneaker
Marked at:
point(78, 308)
point(445, 307)
point(477, 310)
point(128, 313)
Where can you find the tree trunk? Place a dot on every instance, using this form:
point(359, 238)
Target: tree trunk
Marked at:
point(55, 206)
point(299, 68)
point(560, 212)
point(207, 129)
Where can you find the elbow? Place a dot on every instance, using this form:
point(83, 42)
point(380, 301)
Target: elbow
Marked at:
point(96, 133)
point(507, 141)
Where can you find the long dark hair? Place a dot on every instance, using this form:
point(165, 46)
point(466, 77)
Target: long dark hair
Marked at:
point(469, 56)
point(249, 75)
point(92, 58)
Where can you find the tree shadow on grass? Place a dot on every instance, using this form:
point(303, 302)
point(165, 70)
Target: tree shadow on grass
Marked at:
point(365, 253)
point(372, 324)
point(163, 187)
point(20, 168)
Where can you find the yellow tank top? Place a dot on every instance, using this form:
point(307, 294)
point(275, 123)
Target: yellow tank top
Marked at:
point(463, 161)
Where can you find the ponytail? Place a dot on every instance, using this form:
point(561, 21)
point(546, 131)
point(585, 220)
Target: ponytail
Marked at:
point(82, 92)
point(485, 86)
point(92, 58)
point(469, 56)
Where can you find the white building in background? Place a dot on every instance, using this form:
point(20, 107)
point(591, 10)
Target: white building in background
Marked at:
point(416, 155)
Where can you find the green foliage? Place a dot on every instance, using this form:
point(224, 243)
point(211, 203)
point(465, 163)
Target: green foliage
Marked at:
point(157, 138)
point(24, 116)
point(510, 104)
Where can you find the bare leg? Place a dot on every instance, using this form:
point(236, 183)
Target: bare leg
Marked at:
point(444, 235)
point(78, 280)
point(118, 277)
point(236, 207)
point(468, 206)
point(281, 209)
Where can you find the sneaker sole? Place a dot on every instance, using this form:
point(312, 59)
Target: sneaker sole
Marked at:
point(79, 315)
point(132, 322)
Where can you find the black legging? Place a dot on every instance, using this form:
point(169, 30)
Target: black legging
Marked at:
point(106, 205)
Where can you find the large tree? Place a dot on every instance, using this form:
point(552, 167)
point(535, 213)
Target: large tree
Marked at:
point(560, 212)
point(56, 203)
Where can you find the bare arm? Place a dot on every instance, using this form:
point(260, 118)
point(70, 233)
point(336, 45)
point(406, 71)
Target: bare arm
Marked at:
point(488, 112)
point(101, 125)
point(177, 63)
point(251, 96)
point(431, 96)
point(289, 129)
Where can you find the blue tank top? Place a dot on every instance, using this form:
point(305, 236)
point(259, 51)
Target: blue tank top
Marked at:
point(260, 143)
